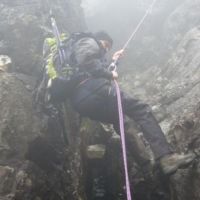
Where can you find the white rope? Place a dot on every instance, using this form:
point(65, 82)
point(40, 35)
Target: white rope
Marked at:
point(148, 11)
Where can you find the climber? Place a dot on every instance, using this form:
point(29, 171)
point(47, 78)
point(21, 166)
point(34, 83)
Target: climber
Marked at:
point(95, 98)
point(92, 93)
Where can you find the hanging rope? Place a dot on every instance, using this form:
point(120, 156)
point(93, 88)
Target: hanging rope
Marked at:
point(148, 11)
point(113, 67)
point(121, 124)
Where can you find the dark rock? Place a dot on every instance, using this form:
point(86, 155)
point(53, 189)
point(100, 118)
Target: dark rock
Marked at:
point(25, 24)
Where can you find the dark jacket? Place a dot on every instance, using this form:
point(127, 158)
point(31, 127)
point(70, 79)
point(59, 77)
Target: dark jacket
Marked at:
point(89, 56)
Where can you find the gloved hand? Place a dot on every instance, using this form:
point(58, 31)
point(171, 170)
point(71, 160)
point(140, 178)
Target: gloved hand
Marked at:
point(115, 74)
point(117, 55)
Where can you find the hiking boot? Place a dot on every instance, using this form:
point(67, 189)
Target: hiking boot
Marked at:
point(170, 163)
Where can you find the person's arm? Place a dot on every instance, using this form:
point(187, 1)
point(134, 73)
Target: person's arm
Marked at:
point(98, 70)
point(117, 55)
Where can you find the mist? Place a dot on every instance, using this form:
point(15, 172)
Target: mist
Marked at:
point(120, 18)
point(52, 146)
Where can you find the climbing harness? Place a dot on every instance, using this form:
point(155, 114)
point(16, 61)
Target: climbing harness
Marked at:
point(113, 67)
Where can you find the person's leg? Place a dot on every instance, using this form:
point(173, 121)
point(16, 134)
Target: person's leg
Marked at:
point(135, 145)
point(142, 114)
point(101, 104)
point(91, 100)
point(169, 161)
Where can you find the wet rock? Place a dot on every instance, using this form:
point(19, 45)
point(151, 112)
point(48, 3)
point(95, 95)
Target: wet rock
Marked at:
point(173, 91)
point(18, 121)
point(5, 63)
point(177, 26)
point(25, 24)
point(26, 134)
point(35, 160)
point(6, 178)
point(32, 144)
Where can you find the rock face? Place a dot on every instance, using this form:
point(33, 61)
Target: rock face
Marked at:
point(39, 159)
point(5, 63)
point(35, 161)
point(25, 24)
point(173, 91)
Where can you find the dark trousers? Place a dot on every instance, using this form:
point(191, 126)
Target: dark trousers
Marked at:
point(97, 100)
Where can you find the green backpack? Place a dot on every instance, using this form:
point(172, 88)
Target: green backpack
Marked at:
point(59, 79)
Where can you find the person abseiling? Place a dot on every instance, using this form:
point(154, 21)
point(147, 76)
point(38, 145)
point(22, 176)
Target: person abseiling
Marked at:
point(94, 97)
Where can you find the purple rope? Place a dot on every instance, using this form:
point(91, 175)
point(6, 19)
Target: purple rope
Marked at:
point(121, 123)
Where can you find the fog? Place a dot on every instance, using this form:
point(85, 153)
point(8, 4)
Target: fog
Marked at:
point(115, 16)
point(119, 18)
